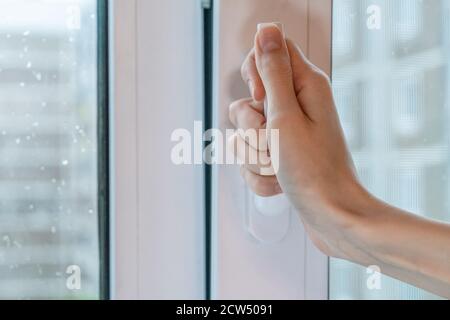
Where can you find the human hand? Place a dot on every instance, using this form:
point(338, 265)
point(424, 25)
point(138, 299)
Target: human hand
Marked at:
point(315, 169)
point(316, 172)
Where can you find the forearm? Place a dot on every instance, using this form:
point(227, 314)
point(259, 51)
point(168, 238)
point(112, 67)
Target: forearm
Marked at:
point(404, 246)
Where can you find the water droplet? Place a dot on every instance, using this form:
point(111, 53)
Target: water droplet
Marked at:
point(7, 240)
point(38, 76)
point(65, 163)
point(40, 270)
point(29, 64)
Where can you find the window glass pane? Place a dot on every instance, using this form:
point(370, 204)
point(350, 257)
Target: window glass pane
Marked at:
point(48, 163)
point(391, 79)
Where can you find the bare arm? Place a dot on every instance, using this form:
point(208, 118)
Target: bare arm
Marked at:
point(317, 173)
point(404, 246)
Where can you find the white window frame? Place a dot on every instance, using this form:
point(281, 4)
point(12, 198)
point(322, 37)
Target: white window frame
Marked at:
point(157, 230)
point(157, 226)
point(243, 268)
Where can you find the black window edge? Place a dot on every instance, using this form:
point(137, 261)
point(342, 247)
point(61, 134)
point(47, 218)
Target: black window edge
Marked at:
point(208, 120)
point(103, 144)
point(103, 147)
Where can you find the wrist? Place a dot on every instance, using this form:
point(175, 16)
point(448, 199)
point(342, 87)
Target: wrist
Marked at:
point(400, 244)
point(369, 228)
point(346, 222)
point(355, 218)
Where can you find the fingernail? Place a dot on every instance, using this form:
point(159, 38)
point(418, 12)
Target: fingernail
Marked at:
point(270, 37)
point(279, 25)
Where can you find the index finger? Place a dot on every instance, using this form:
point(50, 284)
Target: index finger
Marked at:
point(251, 76)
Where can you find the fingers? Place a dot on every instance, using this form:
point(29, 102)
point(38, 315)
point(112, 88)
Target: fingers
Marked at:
point(251, 76)
point(260, 185)
point(307, 79)
point(311, 85)
point(274, 66)
point(301, 67)
point(258, 162)
point(247, 116)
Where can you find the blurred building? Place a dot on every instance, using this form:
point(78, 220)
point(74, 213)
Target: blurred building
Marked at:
point(48, 177)
point(392, 90)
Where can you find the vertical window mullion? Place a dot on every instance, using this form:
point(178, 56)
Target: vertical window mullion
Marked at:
point(103, 147)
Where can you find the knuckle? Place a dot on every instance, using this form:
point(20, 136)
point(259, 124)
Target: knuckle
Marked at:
point(279, 67)
point(232, 107)
point(237, 106)
point(284, 119)
point(279, 59)
point(321, 78)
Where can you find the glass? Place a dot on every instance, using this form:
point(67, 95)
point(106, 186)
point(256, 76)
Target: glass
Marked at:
point(391, 80)
point(49, 239)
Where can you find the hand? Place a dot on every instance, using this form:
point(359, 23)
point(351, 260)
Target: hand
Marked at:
point(316, 171)
point(317, 174)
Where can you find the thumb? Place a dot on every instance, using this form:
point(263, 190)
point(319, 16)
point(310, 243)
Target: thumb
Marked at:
point(274, 67)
